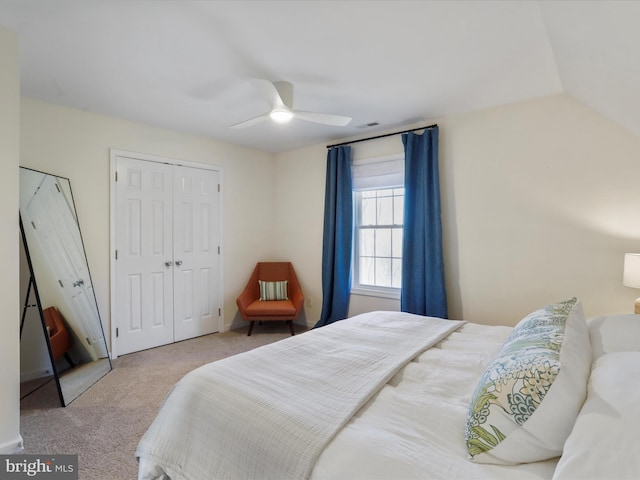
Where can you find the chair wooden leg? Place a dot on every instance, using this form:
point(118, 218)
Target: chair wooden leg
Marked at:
point(290, 322)
point(250, 328)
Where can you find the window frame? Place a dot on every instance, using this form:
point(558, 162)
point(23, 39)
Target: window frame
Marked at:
point(358, 288)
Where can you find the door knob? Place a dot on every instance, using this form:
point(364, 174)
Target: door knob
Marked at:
point(178, 262)
point(168, 264)
point(78, 283)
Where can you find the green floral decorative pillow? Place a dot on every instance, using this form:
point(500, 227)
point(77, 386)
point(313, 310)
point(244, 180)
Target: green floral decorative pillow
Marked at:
point(527, 400)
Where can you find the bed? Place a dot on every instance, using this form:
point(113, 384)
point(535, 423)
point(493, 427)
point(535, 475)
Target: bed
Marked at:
point(390, 395)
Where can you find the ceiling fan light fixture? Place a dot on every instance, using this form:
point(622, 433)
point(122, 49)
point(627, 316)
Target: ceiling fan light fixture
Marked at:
point(280, 96)
point(280, 115)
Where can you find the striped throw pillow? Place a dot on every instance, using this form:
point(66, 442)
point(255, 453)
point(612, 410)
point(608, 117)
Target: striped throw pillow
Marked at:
point(273, 290)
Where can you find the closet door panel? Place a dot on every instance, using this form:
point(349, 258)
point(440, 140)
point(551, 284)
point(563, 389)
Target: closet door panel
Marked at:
point(144, 265)
point(197, 259)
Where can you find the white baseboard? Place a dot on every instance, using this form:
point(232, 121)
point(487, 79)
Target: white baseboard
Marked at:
point(12, 447)
point(33, 374)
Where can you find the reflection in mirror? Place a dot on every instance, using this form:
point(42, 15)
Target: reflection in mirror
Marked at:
point(65, 304)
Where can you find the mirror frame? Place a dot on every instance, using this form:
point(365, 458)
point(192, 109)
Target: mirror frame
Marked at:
point(33, 284)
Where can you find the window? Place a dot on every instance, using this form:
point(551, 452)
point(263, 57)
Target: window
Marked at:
point(378, 241)
point(378, 193)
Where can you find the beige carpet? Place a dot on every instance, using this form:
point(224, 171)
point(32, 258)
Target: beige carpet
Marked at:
point(103, 425)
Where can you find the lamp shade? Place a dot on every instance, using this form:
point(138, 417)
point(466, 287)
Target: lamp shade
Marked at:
point(631, 275)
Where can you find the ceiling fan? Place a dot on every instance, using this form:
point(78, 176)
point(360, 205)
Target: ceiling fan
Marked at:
point(280, 97)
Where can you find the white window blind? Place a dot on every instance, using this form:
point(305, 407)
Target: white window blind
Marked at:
point(376, 173)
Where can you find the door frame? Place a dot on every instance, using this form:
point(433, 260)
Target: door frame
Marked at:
point(113, 154)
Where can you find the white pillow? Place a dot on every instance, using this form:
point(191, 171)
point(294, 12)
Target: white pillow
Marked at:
point(614, 333)
point(605, 442)
point(526, 402)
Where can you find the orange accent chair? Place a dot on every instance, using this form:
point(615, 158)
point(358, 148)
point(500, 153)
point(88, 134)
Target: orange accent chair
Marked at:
point(59, 337)
point(254, 310)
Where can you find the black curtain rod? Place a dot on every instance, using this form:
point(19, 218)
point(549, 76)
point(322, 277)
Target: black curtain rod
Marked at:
point(428, 127)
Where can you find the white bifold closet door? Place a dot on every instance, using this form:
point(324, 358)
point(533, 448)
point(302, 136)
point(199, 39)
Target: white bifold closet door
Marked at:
point(167, 253)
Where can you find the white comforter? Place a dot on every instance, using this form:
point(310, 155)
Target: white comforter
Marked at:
point(270, 412)
point(414, 427)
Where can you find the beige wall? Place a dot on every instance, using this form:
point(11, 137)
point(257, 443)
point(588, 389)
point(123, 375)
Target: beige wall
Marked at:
point(540, 202)
point(76, 144)
point(10, 440)
point(538, 199)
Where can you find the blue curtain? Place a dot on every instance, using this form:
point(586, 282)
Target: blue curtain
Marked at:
point(423, 288)
point(337, 238)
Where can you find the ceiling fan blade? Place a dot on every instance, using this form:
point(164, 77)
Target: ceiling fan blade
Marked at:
point(285, 93)
point(251, 121)
point(324, 118)
point(269, 91)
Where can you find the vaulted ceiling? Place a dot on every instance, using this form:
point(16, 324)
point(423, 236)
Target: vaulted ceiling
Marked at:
point(193, 66)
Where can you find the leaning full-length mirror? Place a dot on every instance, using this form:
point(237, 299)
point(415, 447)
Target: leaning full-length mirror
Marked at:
point(61, 284)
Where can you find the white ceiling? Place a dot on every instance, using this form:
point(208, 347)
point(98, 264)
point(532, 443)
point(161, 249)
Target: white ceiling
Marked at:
point(191, 65)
